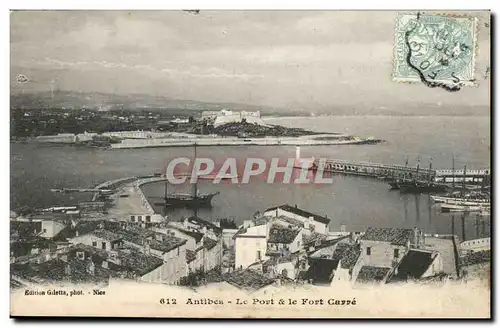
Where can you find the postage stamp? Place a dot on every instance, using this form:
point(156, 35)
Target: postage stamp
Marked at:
point(437, 50)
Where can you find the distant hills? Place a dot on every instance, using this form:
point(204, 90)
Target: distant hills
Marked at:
point(105, 101)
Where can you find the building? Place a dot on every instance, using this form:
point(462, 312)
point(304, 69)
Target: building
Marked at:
point(310, 221)
point(228, 116)
point(101, 239)
point(418, 264)
point(332, 261)
point(79, 264)
point(382, 249)
point(203, 248)
point(201, 225)
point(475, 245)
point(251, 243)
point(283, 240)
point(145, 218)
point(170, 249)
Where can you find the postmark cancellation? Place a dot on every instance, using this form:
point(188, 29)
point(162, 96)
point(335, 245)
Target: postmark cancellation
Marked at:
point(435, 49)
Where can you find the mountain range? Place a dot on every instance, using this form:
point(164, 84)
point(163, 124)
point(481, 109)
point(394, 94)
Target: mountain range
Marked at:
point(106, 101)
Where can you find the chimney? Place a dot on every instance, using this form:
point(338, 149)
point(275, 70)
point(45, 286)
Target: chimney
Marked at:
point(277, 211)
point(295, 205)
point(416, 237)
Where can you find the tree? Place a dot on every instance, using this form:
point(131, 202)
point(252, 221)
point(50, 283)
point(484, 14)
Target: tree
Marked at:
point(228, 224)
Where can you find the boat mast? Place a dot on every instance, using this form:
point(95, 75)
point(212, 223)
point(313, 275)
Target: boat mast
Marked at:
point(430, 169)
point(195, 185)
point(166, 192)
point(418, 168)
point(453, 173)
point(463, 182)
point(406, 168)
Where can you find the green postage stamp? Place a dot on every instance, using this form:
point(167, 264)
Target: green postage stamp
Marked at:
point(435, 49)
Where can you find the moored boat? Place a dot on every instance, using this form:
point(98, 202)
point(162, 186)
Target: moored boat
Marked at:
point(460, 208)
point(187, 200)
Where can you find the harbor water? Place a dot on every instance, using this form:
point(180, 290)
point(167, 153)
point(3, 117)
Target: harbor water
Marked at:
point(351, 201)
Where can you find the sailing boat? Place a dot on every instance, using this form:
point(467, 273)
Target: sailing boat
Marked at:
point(395, 183)
point(463, 201)
point(416, 186)
point(187, 200)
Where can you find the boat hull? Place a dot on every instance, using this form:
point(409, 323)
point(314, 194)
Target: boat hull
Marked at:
point(420, 188)
point(460, 208)
point(459, 201)
point(188, 201)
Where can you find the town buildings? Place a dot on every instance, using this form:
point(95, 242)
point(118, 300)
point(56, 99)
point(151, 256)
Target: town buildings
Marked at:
point(284, 244)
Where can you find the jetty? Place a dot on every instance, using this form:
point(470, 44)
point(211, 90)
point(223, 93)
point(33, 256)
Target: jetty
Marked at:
point(392, 171)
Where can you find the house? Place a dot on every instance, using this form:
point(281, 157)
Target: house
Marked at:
point(282, 240)
point(145, 218)
point(332, 262)
point(203, 249)
point(201, 225)
point(170, 249)
point(280, 267)
point(80, 264)
point(192, 236)
point(102, 239)
point(417, 264)
point(251, 243)
point(45, 225)
point(384, 248)
point(310, 221)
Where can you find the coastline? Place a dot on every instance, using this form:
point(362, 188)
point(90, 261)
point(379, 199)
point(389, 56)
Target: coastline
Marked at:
point(234, 141)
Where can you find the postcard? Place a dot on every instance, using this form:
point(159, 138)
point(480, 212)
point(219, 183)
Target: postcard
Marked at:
point(250, 164)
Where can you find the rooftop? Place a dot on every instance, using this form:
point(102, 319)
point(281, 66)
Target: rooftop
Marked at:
point(190, 256)
point(141, 238)
point(476, 258)
point(209, 243)
point(414, 264)
point(247, 279)
point(196, 235)
point(294, 222)
point(137, 262)
point(106, 234)
point(350, 258)
point(372, 274)
point(303, 213)
point(198, 221)
point(282, 235)
point(76, 271)
point(310, 240)
point(395, 236)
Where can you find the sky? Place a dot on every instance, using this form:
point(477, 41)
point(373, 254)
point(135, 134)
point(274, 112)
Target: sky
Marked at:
point(284, 59)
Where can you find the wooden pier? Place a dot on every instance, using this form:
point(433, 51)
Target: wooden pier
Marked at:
point(377, 170)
